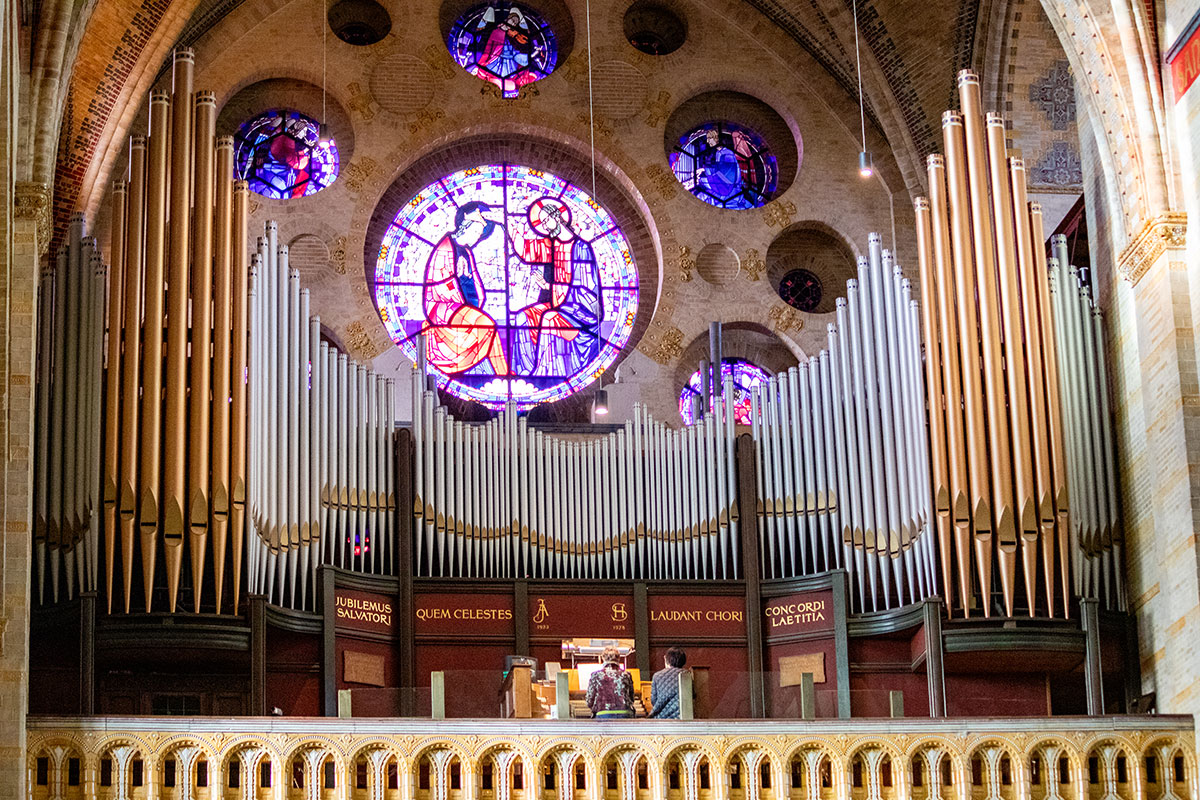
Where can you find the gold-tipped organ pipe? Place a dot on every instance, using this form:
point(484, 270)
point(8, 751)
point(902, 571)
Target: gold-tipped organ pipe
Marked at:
point(112, 386)
point(1039, 392)
point(222, 375)
point(238, 400)
point(1015, 380)
point(175, 448)
point(150, 440)
point(200, 400)
point(967, 300)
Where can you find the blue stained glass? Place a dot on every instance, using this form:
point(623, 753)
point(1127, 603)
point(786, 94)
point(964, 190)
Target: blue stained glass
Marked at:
point(726, 165)
point(746, 375)
point(507, 44)
point(281, 155)
point(522, 284)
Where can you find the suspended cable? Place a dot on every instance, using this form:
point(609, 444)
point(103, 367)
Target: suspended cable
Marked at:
point(865, 165)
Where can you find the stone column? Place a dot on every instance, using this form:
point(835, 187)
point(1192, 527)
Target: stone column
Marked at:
point(1163, 480)
point(24, 237)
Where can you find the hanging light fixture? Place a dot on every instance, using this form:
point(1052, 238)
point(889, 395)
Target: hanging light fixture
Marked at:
point(600, 403)
point(323, 128)
point(866, 164)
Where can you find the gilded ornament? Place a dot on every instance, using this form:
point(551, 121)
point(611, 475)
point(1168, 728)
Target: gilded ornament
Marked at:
point(32, 201)
point(438, 59)
point(358, 171)
point(779, 213)
point(754, 265)
point(361, 101)
point(785, 318)
point(668, 348)
point(1167, 231)
point(337, 255)
point(659, 109)
point(425, 119)
point(663, 180)
point(685, 263)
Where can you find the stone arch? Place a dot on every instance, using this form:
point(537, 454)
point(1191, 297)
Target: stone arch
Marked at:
point(993, 770)
point(1111, 770)
point(753, 770)
point(811, 774)
point(241, 762)
point(1048, 762)
point(63, 769)
point(1169, 770)
point(874, 770)
point(432, 769)
point(933, 766)
point(306, 768)
point(507, 761)
point(187, 753)
point(630, 772)
point(384, 765)
point(561, 764)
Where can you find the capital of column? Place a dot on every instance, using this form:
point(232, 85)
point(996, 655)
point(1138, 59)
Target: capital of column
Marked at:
point(32, 201)
point(1166, 231)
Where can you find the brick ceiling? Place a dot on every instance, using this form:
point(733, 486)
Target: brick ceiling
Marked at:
point(914, 47)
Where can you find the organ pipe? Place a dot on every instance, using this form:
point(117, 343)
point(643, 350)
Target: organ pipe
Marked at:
point(319, 489)
point(977, 232)
point(70, 387)
point(169, 440)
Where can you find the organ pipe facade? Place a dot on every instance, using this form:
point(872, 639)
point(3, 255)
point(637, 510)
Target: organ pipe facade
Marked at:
point(984, 472)
point(502, 500)
point(999, 487)
point(843, 462)
point(321, 464)
point(68, 397)
point(174, 384)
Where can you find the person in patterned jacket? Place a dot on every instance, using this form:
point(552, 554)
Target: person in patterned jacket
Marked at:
point(610, 689)
point(664, 687)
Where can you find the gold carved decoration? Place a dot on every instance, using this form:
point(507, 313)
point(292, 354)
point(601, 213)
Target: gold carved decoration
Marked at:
point(337, 255)
point(663, 180)
point(358, 341)
point(779, 213)
point(1167, 231)
point(668, 347)
point(32, 201)
point(685, 263)
point(425, 119)
point(658, 109)
point(438, 59)
point(785, 318)
point(754, 265)
point(361, 101)
point(358, 171)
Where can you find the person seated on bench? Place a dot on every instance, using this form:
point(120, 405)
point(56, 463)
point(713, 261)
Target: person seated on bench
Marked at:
point(610, 688)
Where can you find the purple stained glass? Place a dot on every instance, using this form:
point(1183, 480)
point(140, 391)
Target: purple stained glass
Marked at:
point(507, 44)
point(746, 377)
point(281, 155)
point(725, 165)
point(522, 284)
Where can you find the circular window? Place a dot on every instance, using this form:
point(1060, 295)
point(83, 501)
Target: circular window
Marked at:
point(654, 29)
point(522, 285)
point(801, 289)
point(359, 22)
point(507, 44)
point(281, 155)
point(746, 377)
point(725, 165)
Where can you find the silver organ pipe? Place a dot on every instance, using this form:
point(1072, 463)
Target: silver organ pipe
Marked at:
point(70, 389)
point(319, 438)
point(842, 448)
point(1096, 533)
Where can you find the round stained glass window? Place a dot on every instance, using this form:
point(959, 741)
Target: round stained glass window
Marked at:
point(726, 165)
point(522, 284)
point(507, 44)
point(746, 377)
point(281, 155)
point(801, 290)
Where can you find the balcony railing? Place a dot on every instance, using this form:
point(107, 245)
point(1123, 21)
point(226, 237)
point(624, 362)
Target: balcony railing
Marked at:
point(275, 758)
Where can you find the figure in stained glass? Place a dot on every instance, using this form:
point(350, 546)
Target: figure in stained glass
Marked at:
point(725, 165)
point(281, 155)
point(461, 333)
point(523, 286)
point(746, 375)
point(504, 43)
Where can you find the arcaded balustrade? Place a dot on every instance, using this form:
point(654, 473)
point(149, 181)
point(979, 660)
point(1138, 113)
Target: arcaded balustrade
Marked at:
point(173, 758)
